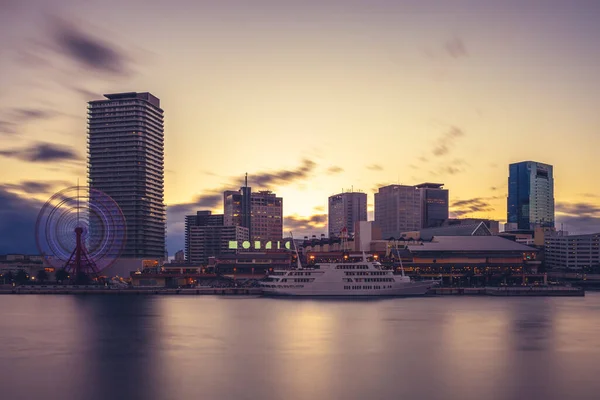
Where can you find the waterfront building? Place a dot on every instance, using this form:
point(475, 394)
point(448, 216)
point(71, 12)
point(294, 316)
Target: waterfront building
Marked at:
point(252, 264)
point(492, 225)
point(346, 209)
point(397, 210)
point(434, 204)
point(530, 202)
point(473, 229)
point(213, 241)
point(261, 212)
point(576, 252)
point(201, 218)
point(126, 161)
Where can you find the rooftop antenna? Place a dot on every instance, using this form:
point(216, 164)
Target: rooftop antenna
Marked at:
point(246, 180)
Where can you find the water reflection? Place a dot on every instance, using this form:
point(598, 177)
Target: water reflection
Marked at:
point(123, 354)
point(180, 347)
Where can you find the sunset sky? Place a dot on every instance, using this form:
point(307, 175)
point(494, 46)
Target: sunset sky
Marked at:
point(309, 98)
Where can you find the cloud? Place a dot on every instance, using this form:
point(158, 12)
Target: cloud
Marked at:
point(456, 48)
point(578, 218)
point(493, 188)
point(580, 209)
point(423, 159)
point(18, 116)
point(319, 208)
point(304, 224)
point(478, 204)
point(456, 166)
point(7, 128)
point(334, 170)
point(42, 152)
point(212, 199)
point(375, 167)
point(447, 141)
point(37, 187)
point(17, 223)
point(28, 114)
point(87, 50)
point(283, 176)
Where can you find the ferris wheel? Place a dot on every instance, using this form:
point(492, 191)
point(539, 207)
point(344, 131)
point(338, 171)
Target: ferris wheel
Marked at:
point(81, 230)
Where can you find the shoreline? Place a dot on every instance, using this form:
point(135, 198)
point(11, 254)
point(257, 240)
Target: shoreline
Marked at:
point(532, 291)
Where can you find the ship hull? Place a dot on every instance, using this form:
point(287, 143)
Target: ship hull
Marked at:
point(399, 290)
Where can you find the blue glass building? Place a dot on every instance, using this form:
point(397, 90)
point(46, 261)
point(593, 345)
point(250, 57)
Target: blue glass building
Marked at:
point(530, 195)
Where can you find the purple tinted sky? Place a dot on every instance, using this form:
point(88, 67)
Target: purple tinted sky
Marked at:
point(341, 93)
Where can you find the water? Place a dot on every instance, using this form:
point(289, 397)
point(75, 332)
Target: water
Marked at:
point(179, 347)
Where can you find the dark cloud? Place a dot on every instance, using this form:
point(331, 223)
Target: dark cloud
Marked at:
point(35, 187)
point(42, 152)
point(578, 225)
point(375, 167)
point(209, 200)
point(456, 166)
point(18, 116)
point(580, 209)
point(87, 50)
point(28, 114)
point(283, 176)
point(303, 224)
point(7, 128)
point(477, 204)
point(578, 218)
point(447, 141)
point(456, 48)
point(334, 170)
point(85, 94)
point(17, 223)
point(213, 199)
point(449, 169)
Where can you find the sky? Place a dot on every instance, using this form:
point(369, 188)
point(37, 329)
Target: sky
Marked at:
point(309, 98)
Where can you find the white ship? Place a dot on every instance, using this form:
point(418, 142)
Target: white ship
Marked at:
point(349, 278)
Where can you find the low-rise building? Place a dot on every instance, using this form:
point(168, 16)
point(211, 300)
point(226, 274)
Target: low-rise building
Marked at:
point(577, 252)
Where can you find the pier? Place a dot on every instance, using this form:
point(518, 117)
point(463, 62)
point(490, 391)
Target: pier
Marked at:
point(511, 291)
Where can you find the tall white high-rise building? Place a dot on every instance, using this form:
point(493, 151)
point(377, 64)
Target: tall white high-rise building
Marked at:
point(345, 209)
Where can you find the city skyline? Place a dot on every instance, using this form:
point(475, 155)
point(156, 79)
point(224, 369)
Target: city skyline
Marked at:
point(362, 94)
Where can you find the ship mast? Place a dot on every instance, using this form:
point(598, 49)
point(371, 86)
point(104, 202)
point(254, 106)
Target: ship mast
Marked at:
point(298, 263)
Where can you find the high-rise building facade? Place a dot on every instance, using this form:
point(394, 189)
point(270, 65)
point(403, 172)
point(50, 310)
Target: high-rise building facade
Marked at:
point(213, 241)
point(261, 212)
point(434, 204)
point(267, 216)
point(397, 210)
point(530, 195)
point(202, 218)
point(345, 209)
point(126, 161)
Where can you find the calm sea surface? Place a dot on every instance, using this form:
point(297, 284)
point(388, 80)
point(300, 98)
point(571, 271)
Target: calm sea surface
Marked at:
point(179, 347)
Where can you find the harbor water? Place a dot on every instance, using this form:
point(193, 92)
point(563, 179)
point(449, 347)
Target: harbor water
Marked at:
point(239, 347)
